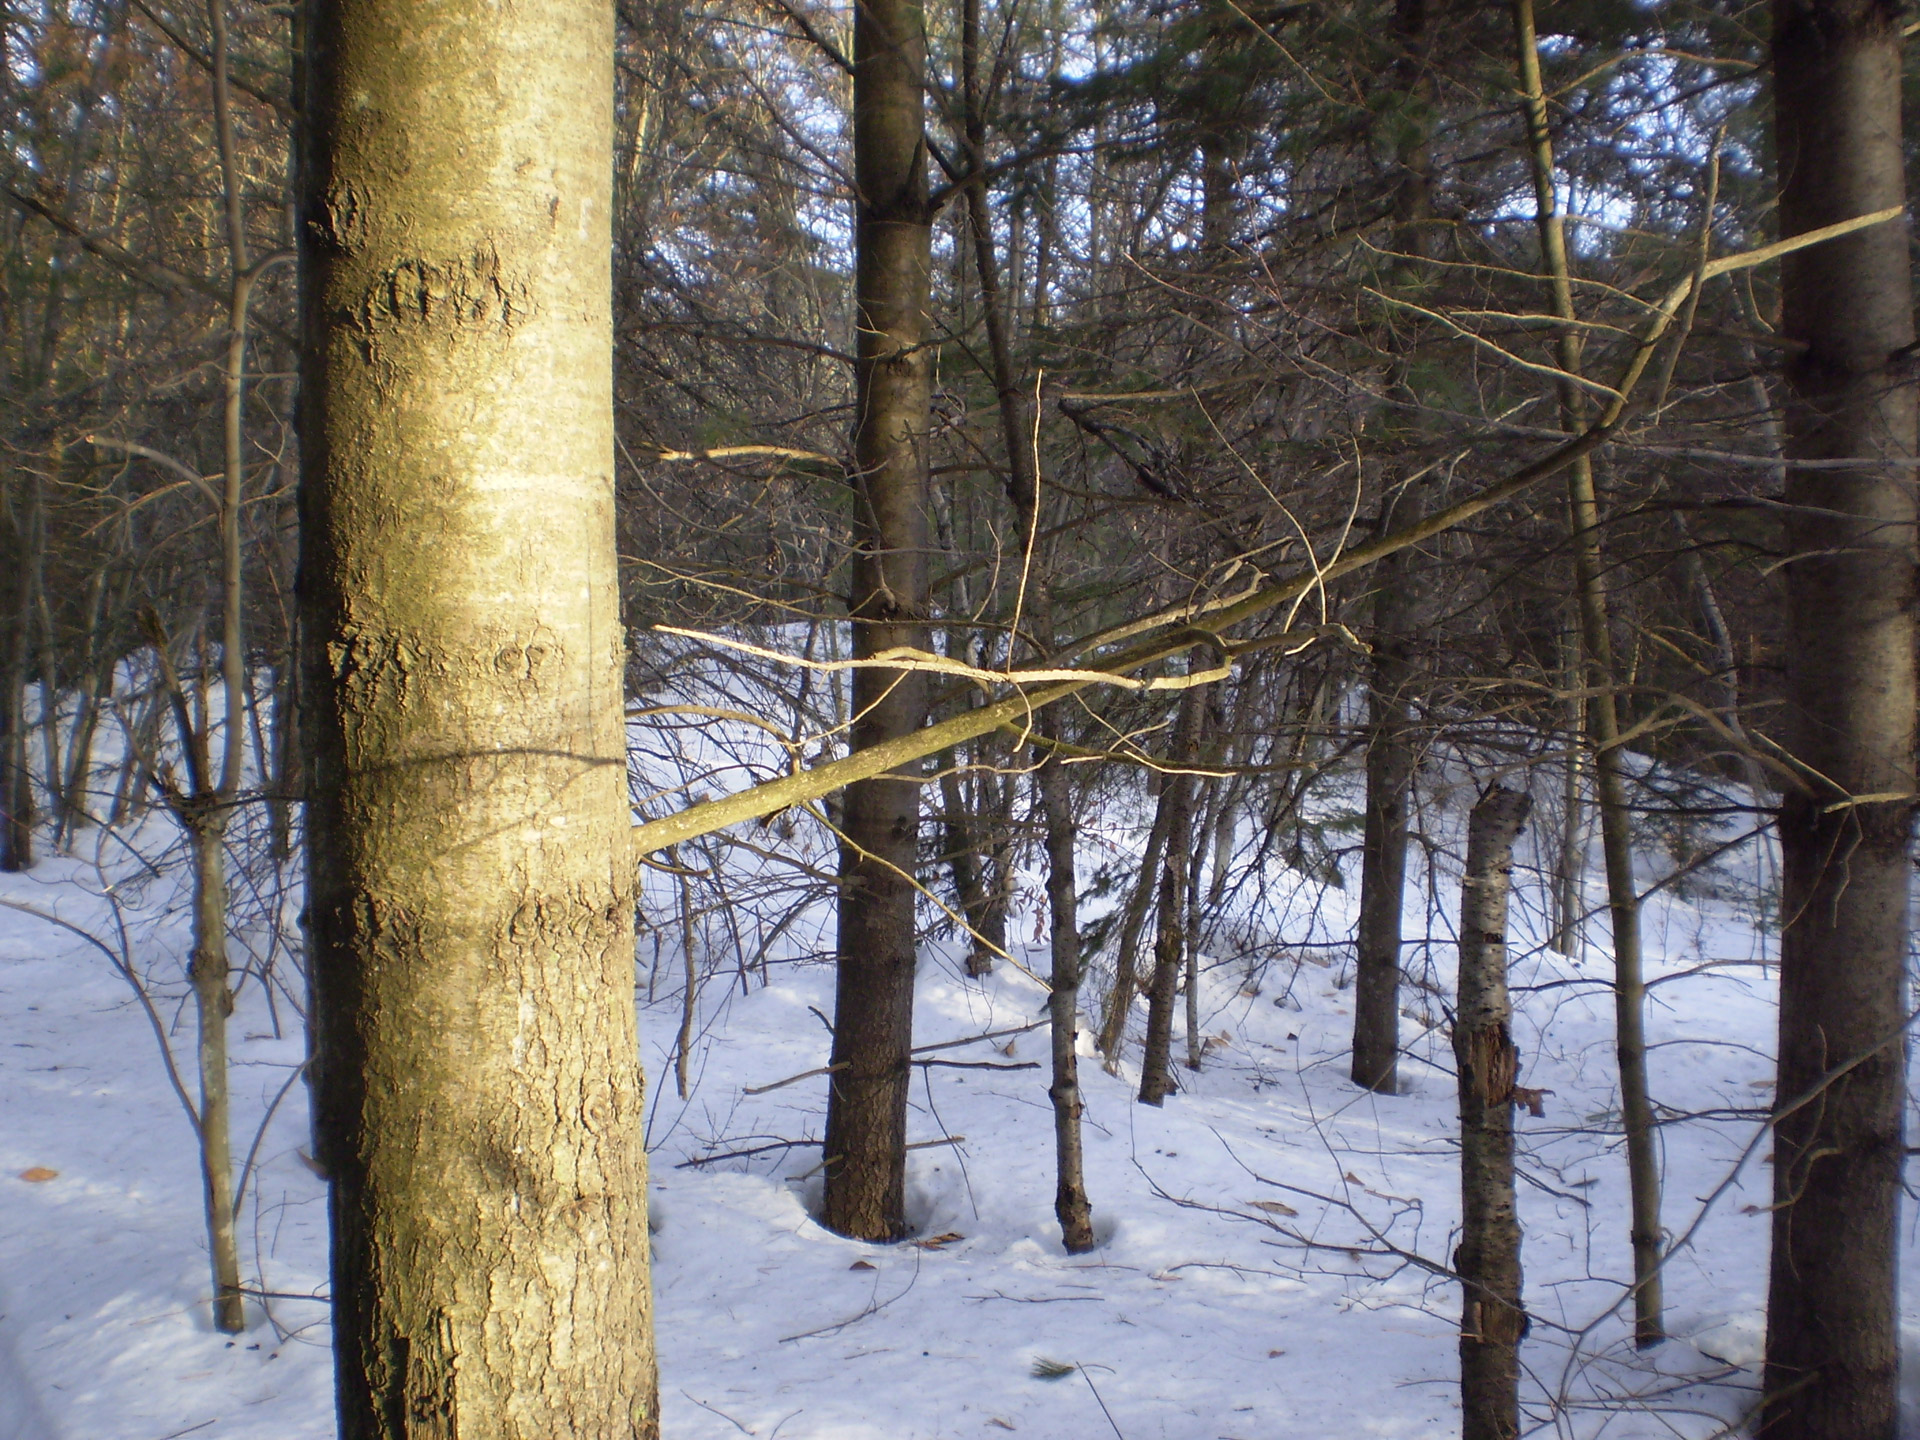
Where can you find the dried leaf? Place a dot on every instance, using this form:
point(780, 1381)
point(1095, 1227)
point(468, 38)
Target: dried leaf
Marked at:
point(939, 1242)
point(1273, 1207)
point(1534, 1100)
point(38, 1174)
point(862, 1265)
point(1003, 1424)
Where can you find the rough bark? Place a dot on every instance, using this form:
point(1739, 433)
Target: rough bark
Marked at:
point(1390, 738)
point(471, 891)
point(1383, 854)
point(866, 1130)
point(16, 776)
point(1170, 931)
point(211, 973)
point(1609, 770)
point(1070, 1203)
point(975, 819)
point(1492, 1317)
point(963, 860)
point(1832, 1331)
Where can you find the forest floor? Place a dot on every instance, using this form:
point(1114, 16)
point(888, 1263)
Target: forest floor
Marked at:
point(1271, 1238)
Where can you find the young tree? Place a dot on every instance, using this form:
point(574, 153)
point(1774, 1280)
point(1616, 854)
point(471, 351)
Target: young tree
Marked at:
point(1609, 761)
point(471, 883)
point(1833, 1334)
point(1493, 1319)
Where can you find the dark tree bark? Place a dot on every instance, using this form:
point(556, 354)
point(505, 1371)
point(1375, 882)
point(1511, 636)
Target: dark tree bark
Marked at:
point(1492, 1318)
point(1832, 1315)
point(1070, 1202)
point(975, 819)
point(16, 776)
point(1126, 969)
point(963, 860)
point(1170, 931)
point(471, 881)
point(1390, 737)
point(866, 1131)
point(1383, 855)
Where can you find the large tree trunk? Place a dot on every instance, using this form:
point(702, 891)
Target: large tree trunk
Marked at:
point(866, 1132)
point(1832, 1314)
point(471, 886)
point(1390, 739)
point(1492, 1316)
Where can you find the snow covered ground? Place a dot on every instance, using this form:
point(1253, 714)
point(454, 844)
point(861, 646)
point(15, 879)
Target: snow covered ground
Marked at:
point(1269, 1236)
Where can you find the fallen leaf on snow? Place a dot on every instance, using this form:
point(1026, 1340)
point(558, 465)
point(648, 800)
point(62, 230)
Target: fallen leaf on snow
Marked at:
point(1273, 1207)
point(862, 1265)
point(38, 1173)
point(939, 1242)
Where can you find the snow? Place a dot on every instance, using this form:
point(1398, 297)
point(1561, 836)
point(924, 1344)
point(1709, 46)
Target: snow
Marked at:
point(1268, 1236)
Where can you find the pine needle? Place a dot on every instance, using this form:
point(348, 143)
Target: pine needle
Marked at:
point(1045, 1369)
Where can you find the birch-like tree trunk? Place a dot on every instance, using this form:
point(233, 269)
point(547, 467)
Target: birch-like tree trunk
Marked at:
point(1492, 1317)
point(471, 885)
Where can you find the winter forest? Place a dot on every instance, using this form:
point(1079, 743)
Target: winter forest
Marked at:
point(1170, 719)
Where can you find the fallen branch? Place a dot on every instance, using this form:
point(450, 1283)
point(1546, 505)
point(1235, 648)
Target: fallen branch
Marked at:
point(917, 1050)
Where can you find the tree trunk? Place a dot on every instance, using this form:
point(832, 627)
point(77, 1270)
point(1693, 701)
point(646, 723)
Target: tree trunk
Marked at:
point(52, 770)
point(471, 886)
point(1070, 1203)
point(1383, 862)
point(1832, 1311)
point(1126, 972)
point(16, 775)
point(284, 777)
point(1390, 739)
point(975, 827)
point(963, 860)
point(866, 1130)
point(1170, 938)
point(211, 973)
point(1609, 771)
point(1492, 1318)
point(1570, 867)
